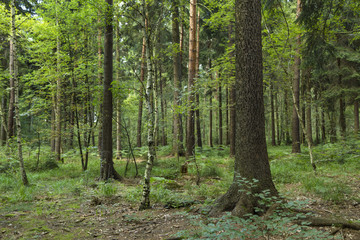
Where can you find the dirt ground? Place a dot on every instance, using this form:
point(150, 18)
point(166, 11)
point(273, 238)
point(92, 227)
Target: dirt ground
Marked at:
point(113, 218)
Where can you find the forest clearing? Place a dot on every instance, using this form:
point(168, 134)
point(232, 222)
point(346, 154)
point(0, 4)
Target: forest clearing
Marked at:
point(181, 119)
point(66, 203)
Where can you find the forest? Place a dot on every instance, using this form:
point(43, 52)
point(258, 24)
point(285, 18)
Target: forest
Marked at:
point(174, 119)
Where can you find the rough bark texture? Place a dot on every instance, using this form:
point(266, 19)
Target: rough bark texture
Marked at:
point(178, 147)
point(58, 103)
point(190, 126)
point(142, 77)
point(296, 88)
point(251, 158)
point(107, 165)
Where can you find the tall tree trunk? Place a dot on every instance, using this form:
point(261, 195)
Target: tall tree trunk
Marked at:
point(13, 76)
point(197, 112)
point(342, 120)
point(323, 130)
point(232, 99)
point(303, 113)
point(296, 87)
point(332, 130)
point(308, 107)
point(287, 121)
point(178, 147)
point(58, 101)
point(141, 97)
point(272, 110)
point(118, 101)
point(100, 79)
point(11, 112)
point(190, 126)
point(145, 202)
point(107, 169)
point(219, 91)
point(227, 116)
point(277, 119)
point(251, 158)
point(356, 117)
point(317, 119)
point(162, 107)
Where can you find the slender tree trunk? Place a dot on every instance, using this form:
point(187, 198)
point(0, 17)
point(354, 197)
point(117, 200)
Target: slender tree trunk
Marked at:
point(190, 126)
point(13, 75)
point(145, 202)
point(296, 87)
point(272, 110)
point(227, 117)
point(11, 112)
point(58, 101)
point(178, 147)
point(220, 112)
point(118, 101)
point(303, 113)
point(141, 97)
point(287, 121)
point(342, 107)
point(277, 119)
point(100, 79)
point(107, 169)
point(356, 117)
point(317, 119)
point(308, 107)
point(162, 107)
point(232, 100)
point(332, 130)
point(197, 112)
point(323, 130)
point(251, 158)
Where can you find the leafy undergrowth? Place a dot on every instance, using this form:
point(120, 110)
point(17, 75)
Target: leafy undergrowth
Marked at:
point(63, 202)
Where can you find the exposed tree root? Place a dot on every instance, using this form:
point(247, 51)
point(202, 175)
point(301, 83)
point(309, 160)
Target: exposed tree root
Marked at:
point(327, 222)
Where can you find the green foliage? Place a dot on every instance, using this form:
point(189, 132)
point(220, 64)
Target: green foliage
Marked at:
point(278, 224)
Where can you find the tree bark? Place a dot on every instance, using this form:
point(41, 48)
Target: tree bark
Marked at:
point(107, 165)
point(141, 97)
point(100, 79)
point(3, 121)
point(145, 202)
point(58, 101)
point(190, 126)
point(219, 91)
point(13, 75)
point(342, 120)
point(197, 112)
point(251, 158)
point(296, 87)
point(178, 147)
point(272, 110)
point(118, 101)
point(308, 107)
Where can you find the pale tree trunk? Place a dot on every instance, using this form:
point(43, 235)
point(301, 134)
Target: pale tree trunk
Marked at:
point(251, 158)
point(118, 101)
point(3, 121)
point(141, 97)
point(296, 87)
point(287, 121)
point(227, 116)
point(13, 76)
point(145, 202)
point(178, 147)
point(197, 112)
point(107, 169)
point(190, 126)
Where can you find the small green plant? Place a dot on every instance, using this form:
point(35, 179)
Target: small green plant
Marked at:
point(279, 224)
point(107, 189)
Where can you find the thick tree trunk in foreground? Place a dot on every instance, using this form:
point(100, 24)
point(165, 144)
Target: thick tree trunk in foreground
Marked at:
point(190, 127)
point(296, 88)
point(251, 158)
point(107, 165)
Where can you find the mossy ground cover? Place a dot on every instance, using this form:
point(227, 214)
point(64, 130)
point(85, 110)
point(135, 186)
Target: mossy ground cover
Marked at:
point(64, 202)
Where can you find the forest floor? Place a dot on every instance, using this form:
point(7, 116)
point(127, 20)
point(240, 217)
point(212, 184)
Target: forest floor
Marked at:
point(83, 213)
